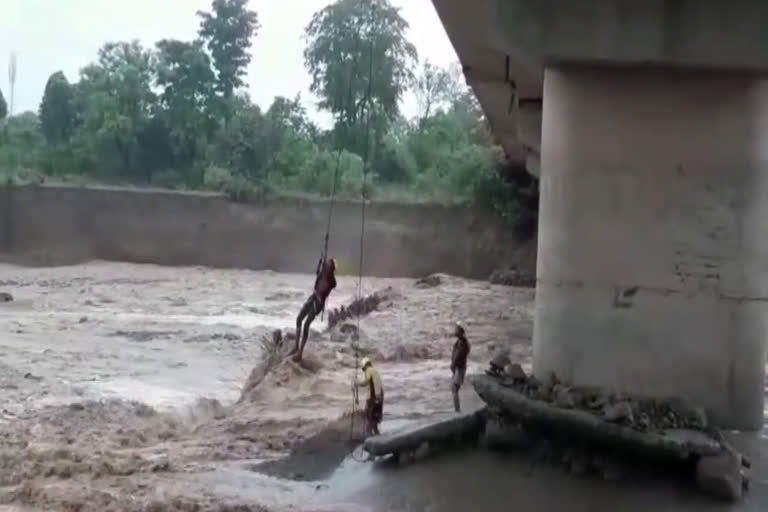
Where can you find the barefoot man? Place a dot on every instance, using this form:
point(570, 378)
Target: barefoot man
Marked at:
point(325, 282)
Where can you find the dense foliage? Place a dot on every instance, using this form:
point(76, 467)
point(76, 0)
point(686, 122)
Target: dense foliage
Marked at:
point(177, 115)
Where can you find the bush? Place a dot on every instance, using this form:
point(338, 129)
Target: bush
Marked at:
point(236, 187)
point(316, 175)
point(241, 190)
point(21, 176)
point(394, 162)
point(217, 178)
point(351, 177)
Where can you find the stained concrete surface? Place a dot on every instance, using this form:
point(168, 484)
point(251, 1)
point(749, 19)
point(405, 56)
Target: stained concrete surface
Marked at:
point(652, 244)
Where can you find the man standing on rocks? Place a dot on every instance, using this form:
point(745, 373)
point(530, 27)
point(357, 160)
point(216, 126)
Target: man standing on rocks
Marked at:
point(459, 363)
point(325, 282)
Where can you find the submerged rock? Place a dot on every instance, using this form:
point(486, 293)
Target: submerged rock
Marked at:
point(430, 281)
point(345, 333)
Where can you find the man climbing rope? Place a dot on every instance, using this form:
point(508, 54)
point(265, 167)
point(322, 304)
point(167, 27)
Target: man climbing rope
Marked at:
point(459, 363)
point(374, 407)
point(325, 282)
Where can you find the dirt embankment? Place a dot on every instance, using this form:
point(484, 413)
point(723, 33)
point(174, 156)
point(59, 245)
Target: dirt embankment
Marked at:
point(56, 226)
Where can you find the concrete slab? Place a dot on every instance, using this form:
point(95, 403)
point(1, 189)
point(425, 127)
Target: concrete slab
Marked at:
point(435, 431)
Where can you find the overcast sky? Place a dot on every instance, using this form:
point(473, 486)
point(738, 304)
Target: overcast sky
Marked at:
point(52, 35)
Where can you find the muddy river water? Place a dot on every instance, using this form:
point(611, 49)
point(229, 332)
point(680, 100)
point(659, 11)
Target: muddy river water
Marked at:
point(121, 390)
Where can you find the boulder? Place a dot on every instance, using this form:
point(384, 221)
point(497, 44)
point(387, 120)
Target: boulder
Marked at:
point(430, 281)
point(620, 412)
point(564, 397)
point(720, 476)
point(345, 333)
point(516, 373)
point(512, 276)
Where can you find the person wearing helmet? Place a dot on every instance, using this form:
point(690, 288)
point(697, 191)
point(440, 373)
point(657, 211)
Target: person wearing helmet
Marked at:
point(459, 363)
point(374, 406)
point(325, 282)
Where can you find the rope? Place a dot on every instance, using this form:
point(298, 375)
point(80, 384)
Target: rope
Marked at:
point(334, 187)
point(324, 254)
point(366, 158)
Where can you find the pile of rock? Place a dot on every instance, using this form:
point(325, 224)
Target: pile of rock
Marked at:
point(640, 414)
point(513, 276)
point(358, 307)
point(600, 432)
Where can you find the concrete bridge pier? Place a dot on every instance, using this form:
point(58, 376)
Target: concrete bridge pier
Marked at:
point(647, 123)
point(653, 234)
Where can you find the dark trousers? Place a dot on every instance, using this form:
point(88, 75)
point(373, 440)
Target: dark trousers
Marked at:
point(309, 311)
point(374, 413)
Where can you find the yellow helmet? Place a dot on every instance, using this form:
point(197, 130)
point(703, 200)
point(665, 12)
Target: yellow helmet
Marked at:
point(365, 362)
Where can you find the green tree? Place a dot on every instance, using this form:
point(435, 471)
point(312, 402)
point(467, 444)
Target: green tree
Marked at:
point(433, 88)
point(187, 84)
point(116, 99)
point(228, 31)
point(345, 41)
point(57, 110)
point(240, 145)
point(21, 154)
point(288, 138)
point(3, 106)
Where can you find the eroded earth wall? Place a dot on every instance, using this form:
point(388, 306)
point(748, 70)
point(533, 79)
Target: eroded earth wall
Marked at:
point(44, 225)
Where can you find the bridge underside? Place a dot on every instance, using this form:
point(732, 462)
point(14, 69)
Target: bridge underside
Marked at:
point(647, 123)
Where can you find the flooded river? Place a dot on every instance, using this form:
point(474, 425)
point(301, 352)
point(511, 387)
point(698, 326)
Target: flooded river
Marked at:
point(121, 390)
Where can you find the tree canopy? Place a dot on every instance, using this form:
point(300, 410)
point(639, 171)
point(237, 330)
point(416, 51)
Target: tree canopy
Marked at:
point(228, 32)
point(177, 114)
point(57, 110)
point(359, 58)
point(3, 106)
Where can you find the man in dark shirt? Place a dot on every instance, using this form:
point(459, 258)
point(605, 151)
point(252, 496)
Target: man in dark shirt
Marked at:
point(459, 363)
point(325, 282)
